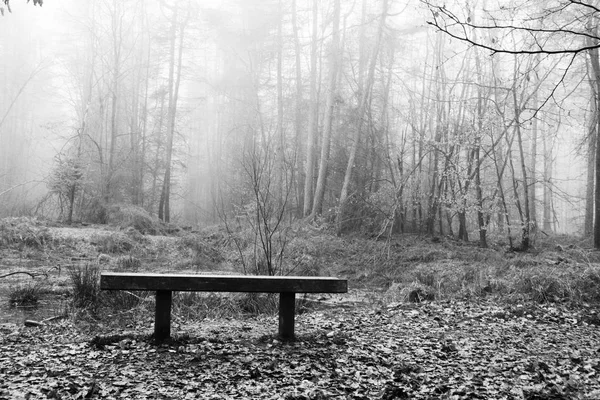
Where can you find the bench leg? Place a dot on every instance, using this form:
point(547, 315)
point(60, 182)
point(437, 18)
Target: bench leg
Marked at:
point(162, 318)
point(287, 305)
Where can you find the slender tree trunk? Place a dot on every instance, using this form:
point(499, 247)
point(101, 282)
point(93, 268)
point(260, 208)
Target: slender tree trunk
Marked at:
point(596, 69)
point(548, 182)
point(174, 81)
point(116, 37)
point(592, 196)
point(439, 128)
point(481, 106)
point(591, 162)
point(144, 133)
point(280, 147)
point(298, 115)
point(364, 98)
point(313, 116)
point(525, 239)
point(328, 123)
point(163, 204)
point(533, 169)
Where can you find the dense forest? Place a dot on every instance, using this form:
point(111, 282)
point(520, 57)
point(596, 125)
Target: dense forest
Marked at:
point(474, 120)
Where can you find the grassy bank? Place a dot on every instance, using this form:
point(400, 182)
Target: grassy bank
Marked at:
point(405, 268)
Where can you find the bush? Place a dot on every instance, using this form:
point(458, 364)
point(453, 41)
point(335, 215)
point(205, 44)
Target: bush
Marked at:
point(259, 303)
point(587, 285)
point(86, 286)
point(302, 256)
point(26, 231)
point(24, 295)
point(96, 212)
point(112, 243)
point(201, 254)
point(127, 215)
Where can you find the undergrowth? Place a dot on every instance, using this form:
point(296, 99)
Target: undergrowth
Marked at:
point(410, 268)
point(23, 231)
point(449, 270)
point(25, 295)
point(86, 287)
point(115, 242)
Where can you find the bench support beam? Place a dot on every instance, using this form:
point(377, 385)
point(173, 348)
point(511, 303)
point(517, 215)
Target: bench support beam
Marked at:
point(287, 305)
point(162, 319)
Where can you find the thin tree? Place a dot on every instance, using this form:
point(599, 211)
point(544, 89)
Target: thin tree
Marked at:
point(360, 115)
point(334, 65)
point(175, 60)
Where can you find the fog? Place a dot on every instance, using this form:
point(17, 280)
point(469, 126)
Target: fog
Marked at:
point(371, 120)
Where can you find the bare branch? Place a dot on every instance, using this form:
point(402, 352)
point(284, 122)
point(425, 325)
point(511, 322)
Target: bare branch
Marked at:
point(452, 25)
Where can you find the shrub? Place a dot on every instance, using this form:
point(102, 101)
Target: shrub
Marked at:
point(135, 235)
point(541, 284)
point(27, 231)
point(127, 215)
point(201, 254)
point(86, 286)
point(302, 257)
point(587, 285)
point(24, 295)
point(258, 303)
point(112, 243)
point(96, 212)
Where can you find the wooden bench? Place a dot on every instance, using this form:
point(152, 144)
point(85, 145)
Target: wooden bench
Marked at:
point(165, 284)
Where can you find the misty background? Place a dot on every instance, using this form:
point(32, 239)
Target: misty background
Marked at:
point(352, 114)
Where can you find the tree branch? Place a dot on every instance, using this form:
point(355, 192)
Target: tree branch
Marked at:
point(445, 21)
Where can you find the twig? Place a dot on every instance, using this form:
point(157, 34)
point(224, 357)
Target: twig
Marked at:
point(33, 274)
point(19, 272)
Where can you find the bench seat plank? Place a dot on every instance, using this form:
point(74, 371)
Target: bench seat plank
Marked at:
point(222, 283)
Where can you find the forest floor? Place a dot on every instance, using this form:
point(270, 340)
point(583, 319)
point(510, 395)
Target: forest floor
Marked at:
point(423, 319)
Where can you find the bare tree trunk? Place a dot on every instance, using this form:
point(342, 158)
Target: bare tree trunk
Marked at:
point(280, 146)
point(595, 63)
point(164, 212)
point(116, 37)
point(533, 172)
point(525, 239)
point(591, 162)
point(364, 98)
point(548, 226)
point(158, 138)
point(313, 116)
point(328, 123)
point(439, 128)
point(298, 116)
point(591, 152)
point(481, 106)
point(596, 74)
point(144, 132)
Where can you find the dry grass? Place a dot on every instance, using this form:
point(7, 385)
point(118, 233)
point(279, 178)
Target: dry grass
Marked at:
point(25, 295)
point(112, 243)
point(24, 231)
point(449, 270)
point(86, 286)
point(130, 216)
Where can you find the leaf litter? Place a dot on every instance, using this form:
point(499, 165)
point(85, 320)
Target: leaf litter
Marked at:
point(430, 350)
